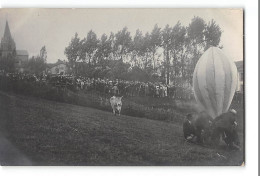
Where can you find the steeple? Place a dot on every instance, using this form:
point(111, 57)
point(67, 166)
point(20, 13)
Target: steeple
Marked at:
point(7, 42)
point(7, 33)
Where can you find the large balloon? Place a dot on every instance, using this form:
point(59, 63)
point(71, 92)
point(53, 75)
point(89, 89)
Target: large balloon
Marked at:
point(214, 82)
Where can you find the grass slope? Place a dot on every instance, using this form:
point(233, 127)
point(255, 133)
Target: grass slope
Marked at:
point(51, 133)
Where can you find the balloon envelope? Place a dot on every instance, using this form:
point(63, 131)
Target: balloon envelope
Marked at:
point(214, 82)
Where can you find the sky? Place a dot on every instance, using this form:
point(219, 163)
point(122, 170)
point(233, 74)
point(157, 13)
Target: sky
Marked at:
point(33, 28)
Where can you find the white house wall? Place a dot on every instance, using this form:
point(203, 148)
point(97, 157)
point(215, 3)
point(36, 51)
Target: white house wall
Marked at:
point(61, 67)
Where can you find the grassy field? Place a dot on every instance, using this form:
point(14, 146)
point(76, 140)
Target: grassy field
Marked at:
point(53, 133)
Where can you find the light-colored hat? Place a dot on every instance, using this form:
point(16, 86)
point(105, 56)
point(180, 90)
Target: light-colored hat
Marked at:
point(233, 111)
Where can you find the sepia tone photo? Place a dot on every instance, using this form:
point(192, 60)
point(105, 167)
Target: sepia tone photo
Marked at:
point(122, 87)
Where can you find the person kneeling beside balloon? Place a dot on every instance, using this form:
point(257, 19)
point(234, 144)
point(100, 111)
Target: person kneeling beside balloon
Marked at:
point(197, 128)
point(202, 129)
point(225, 127)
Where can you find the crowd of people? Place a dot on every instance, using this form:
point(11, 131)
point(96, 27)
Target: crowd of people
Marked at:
point(107, 86)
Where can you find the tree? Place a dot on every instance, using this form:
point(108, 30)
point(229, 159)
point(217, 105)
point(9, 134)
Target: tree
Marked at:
point(36, 65)
point(155, 42)
point(104, 49)
point(177, 42)
point(43, 54)
point(212, 34)
point(89, 48)
point(137, 47)
point(166, 38)
point(73, 52)
point(196, 31)
point(122, 43)
point(146, 49)
point(112, 39)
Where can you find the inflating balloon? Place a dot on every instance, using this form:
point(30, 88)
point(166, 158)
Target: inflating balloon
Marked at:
point(214, 82)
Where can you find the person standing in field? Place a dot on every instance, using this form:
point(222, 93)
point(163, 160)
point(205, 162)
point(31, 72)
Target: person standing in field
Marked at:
point(115, 90)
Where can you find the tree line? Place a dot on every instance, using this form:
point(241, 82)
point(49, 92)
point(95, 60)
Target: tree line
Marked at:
point(167, 54)
point(172, 51)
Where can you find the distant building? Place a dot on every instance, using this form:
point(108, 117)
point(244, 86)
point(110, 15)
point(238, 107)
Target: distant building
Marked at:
point(240, 76)
point(8, 47)
point(21, 60)
point(59, 68)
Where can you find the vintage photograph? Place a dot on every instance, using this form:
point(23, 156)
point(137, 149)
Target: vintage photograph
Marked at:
point(122, 87)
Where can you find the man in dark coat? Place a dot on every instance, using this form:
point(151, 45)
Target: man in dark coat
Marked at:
point(188, 127)
point(225, 126)
point(196, 128)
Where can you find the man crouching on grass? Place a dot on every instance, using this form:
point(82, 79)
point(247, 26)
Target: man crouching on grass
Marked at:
point(224, 126)
point(196, 128)
point(203, 129)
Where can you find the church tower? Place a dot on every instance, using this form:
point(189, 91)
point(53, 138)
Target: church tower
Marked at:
point(7, 43)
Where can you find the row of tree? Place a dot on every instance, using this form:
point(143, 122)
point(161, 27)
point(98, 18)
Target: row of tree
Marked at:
point(172, 51)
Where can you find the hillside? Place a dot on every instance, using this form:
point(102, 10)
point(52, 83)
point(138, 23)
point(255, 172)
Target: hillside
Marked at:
point(52, 133)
